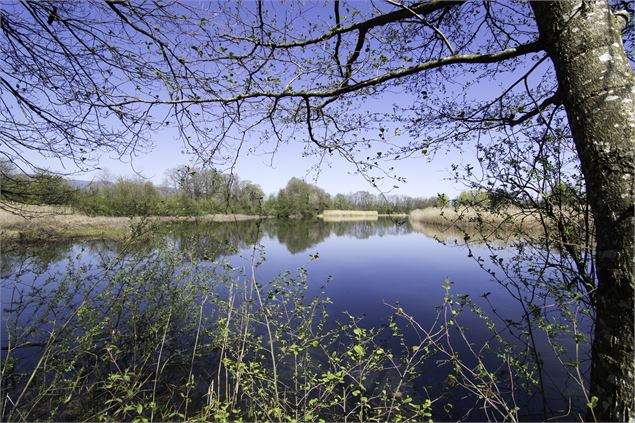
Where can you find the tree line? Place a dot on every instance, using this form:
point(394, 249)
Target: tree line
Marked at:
point(191, 192)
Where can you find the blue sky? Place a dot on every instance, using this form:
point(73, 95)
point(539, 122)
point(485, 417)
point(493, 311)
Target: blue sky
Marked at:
point(424, 176)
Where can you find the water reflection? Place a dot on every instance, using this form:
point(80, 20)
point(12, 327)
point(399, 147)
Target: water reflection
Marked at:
point(211, 240)
point(372, 263)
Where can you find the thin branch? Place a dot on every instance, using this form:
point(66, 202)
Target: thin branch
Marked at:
point(510, 53)
point(428, 24)
point(381, 20)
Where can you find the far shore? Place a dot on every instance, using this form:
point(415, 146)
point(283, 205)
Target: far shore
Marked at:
point(51, 223)
point(34, 223)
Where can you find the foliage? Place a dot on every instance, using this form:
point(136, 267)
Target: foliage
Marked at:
point(164, 334)
point(472, 198)
point(122, 198)
point(301, 199)
point(165, 337)
point(40, 188)
point(193, 192)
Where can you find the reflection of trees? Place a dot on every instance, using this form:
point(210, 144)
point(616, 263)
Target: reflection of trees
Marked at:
point(210, 240)
point(298, 235)
point(31, 256)
point(449, 233)
point(367, 229)
point(206, 240)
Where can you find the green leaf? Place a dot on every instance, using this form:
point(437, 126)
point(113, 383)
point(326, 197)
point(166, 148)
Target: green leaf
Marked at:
point(593, 403)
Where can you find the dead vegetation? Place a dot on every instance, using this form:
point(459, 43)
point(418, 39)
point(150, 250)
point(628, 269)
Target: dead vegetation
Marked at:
point(29, 222)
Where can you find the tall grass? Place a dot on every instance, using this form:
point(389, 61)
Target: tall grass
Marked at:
point(42, 222)
point(164, 337)
point(454, 217)
point(348, 215)
point(482, 223)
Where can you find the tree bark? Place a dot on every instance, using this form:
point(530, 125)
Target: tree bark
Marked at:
point(584, 42)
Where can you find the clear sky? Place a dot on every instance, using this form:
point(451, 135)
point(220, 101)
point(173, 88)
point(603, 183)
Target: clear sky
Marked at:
point(424, 176)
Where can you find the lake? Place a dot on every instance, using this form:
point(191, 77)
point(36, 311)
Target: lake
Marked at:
point(367, 269)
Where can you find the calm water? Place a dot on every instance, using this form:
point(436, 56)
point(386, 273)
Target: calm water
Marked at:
point(370, 265)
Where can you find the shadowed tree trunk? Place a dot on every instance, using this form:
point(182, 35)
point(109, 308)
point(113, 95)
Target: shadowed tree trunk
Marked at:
point(597, 84)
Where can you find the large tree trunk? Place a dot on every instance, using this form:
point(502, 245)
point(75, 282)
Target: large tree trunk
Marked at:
point(597, 84)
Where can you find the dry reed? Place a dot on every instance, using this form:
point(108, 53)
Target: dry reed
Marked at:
point(52, 222)
point(348, 215)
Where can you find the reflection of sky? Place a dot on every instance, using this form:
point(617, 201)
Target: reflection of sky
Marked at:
point(371, 267)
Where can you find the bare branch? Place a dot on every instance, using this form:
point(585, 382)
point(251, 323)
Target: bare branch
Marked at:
point(510, 53)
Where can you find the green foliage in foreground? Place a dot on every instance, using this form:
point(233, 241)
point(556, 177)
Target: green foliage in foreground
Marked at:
point(160, 336)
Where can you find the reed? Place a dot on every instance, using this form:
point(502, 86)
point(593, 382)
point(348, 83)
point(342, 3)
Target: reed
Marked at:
point(348, 215)
point(54, 222)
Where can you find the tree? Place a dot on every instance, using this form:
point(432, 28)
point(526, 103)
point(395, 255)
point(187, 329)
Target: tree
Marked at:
point(41, 188)
point(442, 200)
point(300, 198)
point(77, 78)
point(472, 198)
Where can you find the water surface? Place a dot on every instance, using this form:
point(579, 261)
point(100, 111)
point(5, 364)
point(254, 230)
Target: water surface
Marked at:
point(366, 266)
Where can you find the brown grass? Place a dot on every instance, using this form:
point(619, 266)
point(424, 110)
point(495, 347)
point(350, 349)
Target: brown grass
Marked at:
point(348, 215)
point(50, 222)
point(477, 223)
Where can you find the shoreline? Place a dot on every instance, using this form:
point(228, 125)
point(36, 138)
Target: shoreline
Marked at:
point(50, 223)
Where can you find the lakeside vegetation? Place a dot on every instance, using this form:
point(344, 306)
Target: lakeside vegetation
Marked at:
point(46, 206)
point(172, 328)
point(190, 192)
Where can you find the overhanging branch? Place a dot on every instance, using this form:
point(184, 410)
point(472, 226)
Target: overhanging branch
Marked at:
point(424, 8)
point(498, 56)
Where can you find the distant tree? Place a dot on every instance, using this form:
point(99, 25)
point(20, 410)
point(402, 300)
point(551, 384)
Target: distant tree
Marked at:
point(80, 78)
point(341, 202)
point(472, 198)
point(300, 198)
point(251, 198)
point(442, 200)
point(41, 188)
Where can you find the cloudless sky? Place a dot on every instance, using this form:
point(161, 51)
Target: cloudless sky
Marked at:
point(424, 177)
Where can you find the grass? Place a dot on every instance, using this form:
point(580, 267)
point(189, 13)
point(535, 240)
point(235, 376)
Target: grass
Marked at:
point(30, 222)
point(453, 217)
point(476, 224)
point(466, 217)
point(348, 215)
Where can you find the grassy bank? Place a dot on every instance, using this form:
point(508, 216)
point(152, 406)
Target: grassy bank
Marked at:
point(347, 215)
point(476, 223)
point(51, 222)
